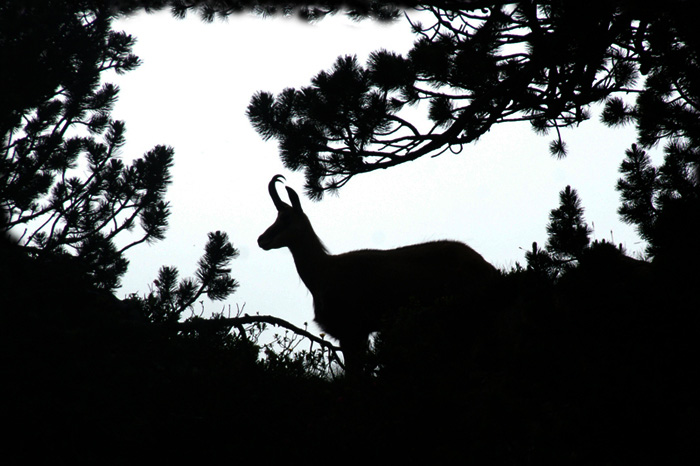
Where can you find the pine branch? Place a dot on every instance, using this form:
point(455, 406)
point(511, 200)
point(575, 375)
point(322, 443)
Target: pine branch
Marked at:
point(216, 324)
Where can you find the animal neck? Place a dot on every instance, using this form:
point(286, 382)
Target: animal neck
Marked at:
point(311, 259)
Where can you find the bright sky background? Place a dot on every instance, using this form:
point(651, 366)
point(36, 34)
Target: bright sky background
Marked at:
point(191, 92)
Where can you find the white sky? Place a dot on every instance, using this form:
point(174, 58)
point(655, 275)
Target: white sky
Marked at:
point(192, 90)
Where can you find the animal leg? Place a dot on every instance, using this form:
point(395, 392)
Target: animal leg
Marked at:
point(354, 354)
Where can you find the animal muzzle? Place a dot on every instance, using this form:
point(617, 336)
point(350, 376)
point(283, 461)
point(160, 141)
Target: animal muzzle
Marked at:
point(264, 242)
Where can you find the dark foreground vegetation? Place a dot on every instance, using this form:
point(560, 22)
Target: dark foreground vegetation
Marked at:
point(583, 355)
point(598, 367)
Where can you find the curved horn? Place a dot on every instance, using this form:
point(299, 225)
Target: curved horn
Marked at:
point(294, 197)
point(279, 204)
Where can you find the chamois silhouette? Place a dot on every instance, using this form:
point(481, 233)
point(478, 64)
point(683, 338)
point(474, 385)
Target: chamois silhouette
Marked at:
point(356, 291)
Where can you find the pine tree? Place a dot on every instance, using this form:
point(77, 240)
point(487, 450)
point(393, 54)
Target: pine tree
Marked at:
point(568, 238)
point(567, 229)
point(64, 188)
point(170, 299)
point(474, 67)
point(60, 127)
point(638, 189)
point(664, 202)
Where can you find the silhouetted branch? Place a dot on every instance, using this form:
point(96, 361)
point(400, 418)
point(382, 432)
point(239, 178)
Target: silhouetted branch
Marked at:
point(202, 324)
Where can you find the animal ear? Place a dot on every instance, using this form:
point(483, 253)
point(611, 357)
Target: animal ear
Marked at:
point(294, 197)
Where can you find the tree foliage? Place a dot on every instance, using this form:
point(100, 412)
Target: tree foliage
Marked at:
point(568, 237)
point(208, 10)
point(170, 298)
point(481, 64)
point(663, 202)
point(63, 181)
point(567, 229)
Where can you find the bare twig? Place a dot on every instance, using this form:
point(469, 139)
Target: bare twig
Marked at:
point(199, 324)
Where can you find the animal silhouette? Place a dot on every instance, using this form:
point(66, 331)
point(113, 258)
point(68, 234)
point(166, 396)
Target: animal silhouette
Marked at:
point(356, 291)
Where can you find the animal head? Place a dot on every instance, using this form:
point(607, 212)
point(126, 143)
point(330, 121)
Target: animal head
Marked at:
point(292, 225)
